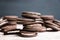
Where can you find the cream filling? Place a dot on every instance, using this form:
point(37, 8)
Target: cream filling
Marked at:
point(49, 29)
point(34, 13)
point(19, 26)
point(37, 21)
point(13, 31)
point(28, 34)
point(3, 23)
point(1, 19)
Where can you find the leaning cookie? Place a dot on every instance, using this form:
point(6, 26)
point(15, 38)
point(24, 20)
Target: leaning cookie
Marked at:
point(3, 22)
point(56, 22)
point(52, 25)
point(28, 34)
point(30, 16)
point(32, 13)
point(34, 28)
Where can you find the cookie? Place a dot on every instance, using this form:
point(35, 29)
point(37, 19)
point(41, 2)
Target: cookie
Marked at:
point(39, 20)
point(30, 16)
point(47, 17)
point(25, 19)
point(57, 22)
point(7, 28)
point(28, 34)
point(12, 22)
point(32, 13)
point(3, 22)
point(28, 23)
point(11, 17)
point(34, 28)
point(52, 25)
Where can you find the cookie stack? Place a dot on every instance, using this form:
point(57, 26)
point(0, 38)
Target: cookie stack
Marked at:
point(47, 18)
point(51, 22)
point(11, 25)
point(25, 22)
point(3, 22)
point(36, 25)
point(30, 24)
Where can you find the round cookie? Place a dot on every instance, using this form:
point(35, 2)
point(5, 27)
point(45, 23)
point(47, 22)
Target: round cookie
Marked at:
point(31, 16)
point(25, 19)
point(12, 22)
point(11, 17)
point(47, 17)
point(28, 34)
point(28, 23)
point(34, 28)
point(7, 28)
point(33, 13)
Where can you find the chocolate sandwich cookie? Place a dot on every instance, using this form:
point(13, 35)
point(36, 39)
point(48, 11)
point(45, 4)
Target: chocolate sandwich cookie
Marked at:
point(11, 17)
point(57, 22)
point(34, 28)
point(47, 17)
point(28, 34)
point(39, 20)
point(25, 19)
point(28, 23)
point(52, 25)
point(7, 28)
point(3, 22)
point(13, 29)
point(30, 16)
point(32, 13)
point(12, 22)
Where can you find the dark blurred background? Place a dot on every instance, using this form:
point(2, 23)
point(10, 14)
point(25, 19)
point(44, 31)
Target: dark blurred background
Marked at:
point(15, 7)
